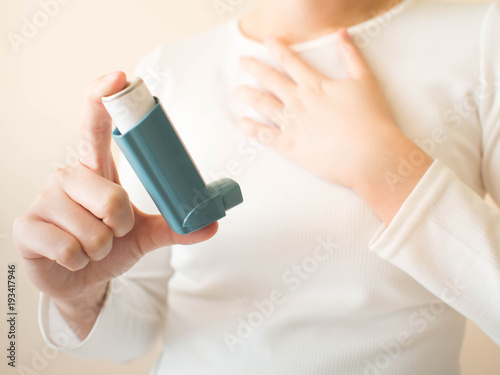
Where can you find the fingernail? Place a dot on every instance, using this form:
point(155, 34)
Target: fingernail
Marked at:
point(110, 76)
point(344, 34)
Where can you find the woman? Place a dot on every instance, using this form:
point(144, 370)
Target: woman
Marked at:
point(363, 240)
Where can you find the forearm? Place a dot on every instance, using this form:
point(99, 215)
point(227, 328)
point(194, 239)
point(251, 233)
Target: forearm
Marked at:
point(393, 169)
point(81, 312)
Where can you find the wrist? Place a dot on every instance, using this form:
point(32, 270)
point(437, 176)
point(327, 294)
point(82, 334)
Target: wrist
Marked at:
point(81, 311)
point(392, 169)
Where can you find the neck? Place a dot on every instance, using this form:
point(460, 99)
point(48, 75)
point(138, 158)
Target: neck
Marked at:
point(296, 21)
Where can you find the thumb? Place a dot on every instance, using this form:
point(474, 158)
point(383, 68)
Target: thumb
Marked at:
point(153, 232)
point(352, 59)
point(95, 124)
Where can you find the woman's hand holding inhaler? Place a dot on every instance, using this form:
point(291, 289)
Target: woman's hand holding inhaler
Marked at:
point(82, 230)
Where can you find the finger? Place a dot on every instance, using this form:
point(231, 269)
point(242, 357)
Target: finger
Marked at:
point(200, 235)
point(352, 59)
point(269, 78)
point(264, 103)
point(267, 135)
point(40, 239)
point(153, 232)
point(103, 198)
point(95, 124)
point(94, 236)
point(300, 71)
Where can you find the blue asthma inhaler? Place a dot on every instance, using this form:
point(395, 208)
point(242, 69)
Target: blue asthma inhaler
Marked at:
point(151, 145)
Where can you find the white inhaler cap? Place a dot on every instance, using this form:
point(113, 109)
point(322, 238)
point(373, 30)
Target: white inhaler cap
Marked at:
point(129, 106)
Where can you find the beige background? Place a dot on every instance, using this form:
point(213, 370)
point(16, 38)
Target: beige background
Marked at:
point(40, 95)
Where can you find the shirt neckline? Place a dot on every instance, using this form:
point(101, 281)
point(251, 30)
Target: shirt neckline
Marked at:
point(374, 23)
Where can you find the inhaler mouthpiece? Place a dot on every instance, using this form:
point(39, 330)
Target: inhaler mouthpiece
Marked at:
point(128, 107)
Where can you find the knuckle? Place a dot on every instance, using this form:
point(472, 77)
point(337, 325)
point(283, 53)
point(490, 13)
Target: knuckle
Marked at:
point(70, 255)
point(259, 99)
point(44, 201)
point(100, 244)
point(90, 88)
point(267, 73)
point(60, 175)
point(18, 225)
point(316, 85)
point(115, 201)
point(19, 231)
point(280, 118)
point(261, 70)
point(38, 207)
point(68, 251)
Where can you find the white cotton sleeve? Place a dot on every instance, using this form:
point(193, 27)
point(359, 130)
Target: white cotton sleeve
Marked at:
point(445, 235)
point(448, 239)
point(130, 320)
point(489, 104)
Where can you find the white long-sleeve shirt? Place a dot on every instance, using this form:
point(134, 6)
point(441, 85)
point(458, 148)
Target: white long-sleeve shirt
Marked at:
point(302, 277)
